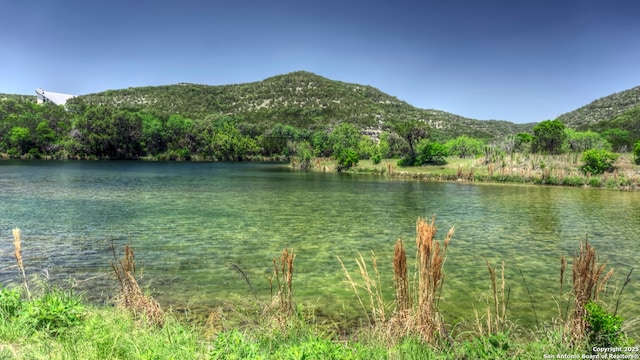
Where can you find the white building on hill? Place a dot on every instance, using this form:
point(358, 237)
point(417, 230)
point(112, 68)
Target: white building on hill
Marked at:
point(48, 96)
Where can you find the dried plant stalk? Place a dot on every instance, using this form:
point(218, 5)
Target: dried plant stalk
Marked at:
point(283, 273)
point(400, 278)
point(587, 285)
point(18, 254)
point(430, 261)
point(131, 296)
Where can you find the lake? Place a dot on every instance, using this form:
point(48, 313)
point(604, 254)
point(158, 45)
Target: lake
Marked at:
point(189, 222)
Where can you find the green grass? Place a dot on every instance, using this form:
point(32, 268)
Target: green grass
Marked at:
point(105, 332)
point(560, 170)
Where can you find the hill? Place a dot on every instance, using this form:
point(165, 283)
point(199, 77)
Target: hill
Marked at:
point(301, 99)
point(605, 109)
point(18, 97)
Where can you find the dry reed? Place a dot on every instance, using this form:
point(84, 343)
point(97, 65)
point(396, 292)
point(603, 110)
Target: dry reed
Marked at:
point(131, 296)
point(372, 286)
point(283, 273)
point(430, 260)
point(18, 254)
point(400, 278)
point(416, 302)
point(496, 321)
point(587, 285)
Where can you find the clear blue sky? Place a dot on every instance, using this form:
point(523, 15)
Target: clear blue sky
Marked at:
point(520, 61)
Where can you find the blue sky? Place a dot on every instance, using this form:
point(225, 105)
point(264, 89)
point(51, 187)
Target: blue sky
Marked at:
point(520, 61)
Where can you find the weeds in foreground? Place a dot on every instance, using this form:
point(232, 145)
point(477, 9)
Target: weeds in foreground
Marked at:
point(283, 275)
point(131, 296)
point(588, 283)
point(372, 286)
point(496, 314)
point(18, 254)
point(416, 306)
point(430, 261)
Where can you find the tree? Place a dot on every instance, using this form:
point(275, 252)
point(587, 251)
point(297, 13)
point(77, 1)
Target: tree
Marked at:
point(464, 146)
point(392, 145)
point(412, 131)
point(580, 141)
point(20, 139)
point(636, 152)
point(618, 138)
point(548, 137)
point(431, 152)
point(346, 159)
point(275, 140)
point(344, 136)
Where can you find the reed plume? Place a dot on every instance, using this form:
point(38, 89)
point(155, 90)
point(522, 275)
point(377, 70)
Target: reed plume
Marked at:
point(372, 286)
point(430, 260)
point(496, 322)
point(18, 254)
point(400, 278)
point(587, 285)
point(131, 296)
point(283, 273)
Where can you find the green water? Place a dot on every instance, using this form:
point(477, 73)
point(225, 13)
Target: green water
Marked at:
point(188, 222)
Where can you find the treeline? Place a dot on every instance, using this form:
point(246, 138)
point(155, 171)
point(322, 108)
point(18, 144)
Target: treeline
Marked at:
point(85, 131)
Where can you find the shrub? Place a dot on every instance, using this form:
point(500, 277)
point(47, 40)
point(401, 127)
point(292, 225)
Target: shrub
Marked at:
point(636, 152)
point(54, 311)
point(604, 329)
point(431, 152)
point(597, 161)
point(10, 303)
point(347, 159)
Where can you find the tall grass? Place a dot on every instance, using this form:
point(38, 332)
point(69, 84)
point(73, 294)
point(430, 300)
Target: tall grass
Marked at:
point(283, 275)
point(18, 255)
point(589, 279)
point(496, 314)
point(131, 296)
point(430, 261)
point(416, 302)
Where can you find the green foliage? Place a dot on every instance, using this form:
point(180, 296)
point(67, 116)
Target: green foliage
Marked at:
point(464, 146)
point(300, 99)
point(597, 161)
point(412, 132)
point(603, 110)
point(605, 329)
point(20, 138)
point(431, 152)
point(54, 311)
point(636, 152)
point(580, 141)
point(626, 121)
point(302, 154)
point(10, 303)
point(376, 158)
point(618, 138)
point(548, 137)
point(346, 159)
point(392, 145)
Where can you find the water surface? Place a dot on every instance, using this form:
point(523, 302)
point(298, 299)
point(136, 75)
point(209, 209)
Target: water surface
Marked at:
point(188, 222)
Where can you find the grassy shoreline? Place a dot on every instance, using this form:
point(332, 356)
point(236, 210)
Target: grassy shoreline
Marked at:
point(555, 170)
point(42, 321)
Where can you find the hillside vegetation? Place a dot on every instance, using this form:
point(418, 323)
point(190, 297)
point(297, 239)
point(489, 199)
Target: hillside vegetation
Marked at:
point(299, 99)
point(605, 109)
point(18, 97)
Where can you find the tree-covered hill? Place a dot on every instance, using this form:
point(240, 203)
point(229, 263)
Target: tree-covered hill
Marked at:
point(604, 109)
point(300, 99)
point(17, 97)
